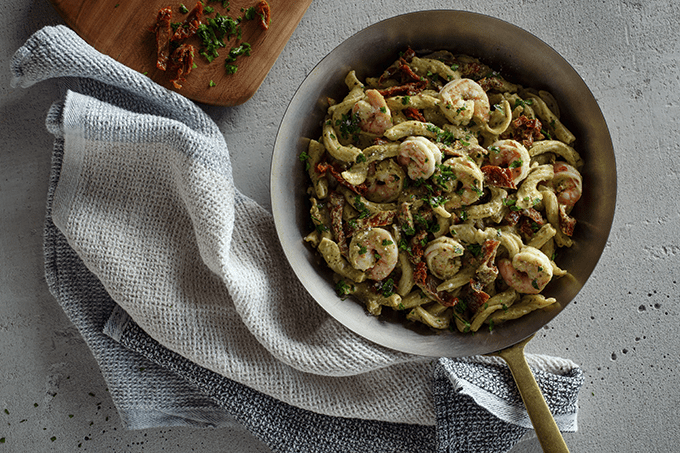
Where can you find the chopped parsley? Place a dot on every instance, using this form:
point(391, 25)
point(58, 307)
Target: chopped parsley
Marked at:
point(243, 49)
point(213, 33)
point(522, 103)
point(304, 158)
point(511, 203)
point(250, 13)
point(348, 126)
point(386, 287)
point(343, 289)
point(361, 207)
point(475, 249)
point(444, 175)
point(404, 246)
point(434, 228)
point(442, 136)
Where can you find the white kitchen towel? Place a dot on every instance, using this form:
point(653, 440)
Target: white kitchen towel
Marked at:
point(143, 200)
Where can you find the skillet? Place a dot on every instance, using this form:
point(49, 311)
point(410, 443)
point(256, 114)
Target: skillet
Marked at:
point(522, 58)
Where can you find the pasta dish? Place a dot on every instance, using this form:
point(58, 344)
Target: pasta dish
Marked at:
point(443, 191)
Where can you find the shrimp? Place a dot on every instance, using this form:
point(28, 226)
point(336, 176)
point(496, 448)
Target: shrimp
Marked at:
point(374, 251)
point(512, 155)
point(443, 257)
point(462, 100)
point(374, 115)
point(463, 179)
point(420, 157)
point(385, 181)
point(528, 272)
point(567, 184)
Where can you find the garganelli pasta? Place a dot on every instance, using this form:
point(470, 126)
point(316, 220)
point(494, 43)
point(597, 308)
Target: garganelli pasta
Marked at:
point(443, 191)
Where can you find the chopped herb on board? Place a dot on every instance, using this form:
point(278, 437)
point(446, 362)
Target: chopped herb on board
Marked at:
point(213, 32)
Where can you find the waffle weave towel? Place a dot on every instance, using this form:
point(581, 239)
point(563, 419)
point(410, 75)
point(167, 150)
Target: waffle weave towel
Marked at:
point(159, 260)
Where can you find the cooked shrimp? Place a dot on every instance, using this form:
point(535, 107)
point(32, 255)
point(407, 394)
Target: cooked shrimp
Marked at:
point(385, 181)
point(462, 100)
point(567, 183)
point(374, 251)
point(443, 257)
point(513, 155)
point(464, 184)
point(528, 272)
point(374, 115)
point(420, 157)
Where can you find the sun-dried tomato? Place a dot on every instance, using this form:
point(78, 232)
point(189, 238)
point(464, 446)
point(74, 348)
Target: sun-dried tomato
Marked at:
point(406, 89)
point(396, 67)
point(428, 284)
point(534, 215)
point(191, 23)
point(323, 167)
point(513, 217)
point(527, 227)
point(487, 270)
point(420, 273)
point(498, 176)
point(163, 32)
point(414, 114)
point(380, 218)
point(475, 298)
point(181, 61)
point(262, 9)
point(526, 130)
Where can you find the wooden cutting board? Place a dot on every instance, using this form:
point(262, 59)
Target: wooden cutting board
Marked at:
point(120, 29)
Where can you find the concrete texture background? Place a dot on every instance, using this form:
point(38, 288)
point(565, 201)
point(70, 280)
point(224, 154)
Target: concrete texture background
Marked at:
point(623, 328)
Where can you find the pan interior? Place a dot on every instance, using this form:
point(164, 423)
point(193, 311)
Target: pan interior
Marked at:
point(521, 58)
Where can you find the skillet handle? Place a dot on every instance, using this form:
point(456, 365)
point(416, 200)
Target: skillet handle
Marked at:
point(544, 424)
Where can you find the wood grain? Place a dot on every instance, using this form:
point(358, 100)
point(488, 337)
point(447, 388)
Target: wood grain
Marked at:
point(120, 29)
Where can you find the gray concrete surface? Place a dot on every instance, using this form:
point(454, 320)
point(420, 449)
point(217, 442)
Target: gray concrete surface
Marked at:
point(622, 329)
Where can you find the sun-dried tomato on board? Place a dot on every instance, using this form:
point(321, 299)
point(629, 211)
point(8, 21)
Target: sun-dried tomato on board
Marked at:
point(181, 61)
point(264, 11)
point(190, 25)
point(163, 32)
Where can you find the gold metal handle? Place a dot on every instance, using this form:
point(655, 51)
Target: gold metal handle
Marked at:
point(544, 424)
